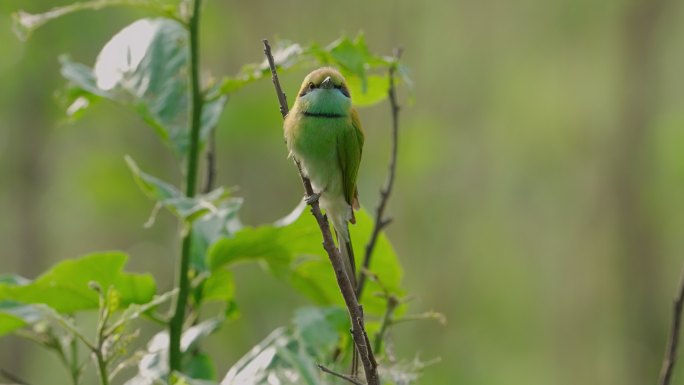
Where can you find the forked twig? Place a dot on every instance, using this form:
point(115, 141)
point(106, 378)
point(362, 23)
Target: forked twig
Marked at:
point(339, 375)
point(346, 288)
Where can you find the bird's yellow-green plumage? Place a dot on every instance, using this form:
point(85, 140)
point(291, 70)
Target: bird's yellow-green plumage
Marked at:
point(323, 132)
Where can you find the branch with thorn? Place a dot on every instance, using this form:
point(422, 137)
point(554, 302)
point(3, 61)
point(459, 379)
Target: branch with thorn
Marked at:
point(339, 375)
point(380, 221)
point(355, 310)
point(673, 342)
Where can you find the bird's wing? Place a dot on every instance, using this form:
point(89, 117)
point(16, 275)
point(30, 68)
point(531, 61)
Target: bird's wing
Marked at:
point(349, 148)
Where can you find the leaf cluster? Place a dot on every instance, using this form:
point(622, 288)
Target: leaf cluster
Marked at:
point(144, 68)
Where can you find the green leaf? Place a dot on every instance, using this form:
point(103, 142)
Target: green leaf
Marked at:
point(145, 66)
point(249, 244)
point(200, 367)
point(152, 186)
point(25, 23)
point(314, 276)
point(82, 77)
point(376, 90)
point(10, 323)
point(220, 286)
point(320, 328)
point(65, 287)
point(134, 311)
point(292, 250)
point(351, 56)
point(286, 55)
point(32, 314)
point(171, 198)
point(214, 225)
point(182, 379)
point(15, 316)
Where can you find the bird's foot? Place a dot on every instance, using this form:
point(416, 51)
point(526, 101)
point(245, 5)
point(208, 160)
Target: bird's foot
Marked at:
point(311, 199)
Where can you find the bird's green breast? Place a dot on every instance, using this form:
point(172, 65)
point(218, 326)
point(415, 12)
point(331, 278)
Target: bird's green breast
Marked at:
point(314, 142)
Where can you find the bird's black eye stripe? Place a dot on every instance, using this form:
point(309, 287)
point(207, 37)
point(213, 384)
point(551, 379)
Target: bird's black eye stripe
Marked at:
point(311, 86)
point(344, 90)
point(306, 90)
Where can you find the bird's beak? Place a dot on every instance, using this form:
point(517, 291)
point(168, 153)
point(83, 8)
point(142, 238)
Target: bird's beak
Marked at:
point(327, 83)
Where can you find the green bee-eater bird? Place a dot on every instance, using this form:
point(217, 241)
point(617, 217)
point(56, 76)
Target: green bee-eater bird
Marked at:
point(323, 132)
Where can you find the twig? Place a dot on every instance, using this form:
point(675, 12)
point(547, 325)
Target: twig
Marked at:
point(380, 221)
point(392, 303)
point(100, 339)
point(282, 99)
point(673, 341)
point(387, 320)
point(211, 162)
point(74, 367)
point(428, 315)
point(339, 375)
point(353, 307)
point(14, 378)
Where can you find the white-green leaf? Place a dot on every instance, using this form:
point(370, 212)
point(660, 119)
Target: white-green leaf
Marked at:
point(145, 66)
point(186, 208)
point(277, 359)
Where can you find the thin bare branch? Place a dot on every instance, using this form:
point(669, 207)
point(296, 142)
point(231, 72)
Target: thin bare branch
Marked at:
point(673, 341)
point(380, 221)
point(211, 162)
point(282, 99)
point(387, 320)
point(343, 282)
point(15, 379)
point(428, 315)
point(339, 375)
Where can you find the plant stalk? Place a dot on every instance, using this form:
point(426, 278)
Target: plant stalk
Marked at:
point(102, 367)
point(176, 323)
point(74, 361)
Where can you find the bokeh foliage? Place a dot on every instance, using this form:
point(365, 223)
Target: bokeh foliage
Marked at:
point(505, 203)
point(145, 67)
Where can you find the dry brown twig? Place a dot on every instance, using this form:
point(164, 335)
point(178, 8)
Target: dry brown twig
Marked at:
point(673, 341)
point(355, 310)
point(339, 375)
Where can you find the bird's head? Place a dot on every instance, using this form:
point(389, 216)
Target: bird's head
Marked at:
point(324, 91)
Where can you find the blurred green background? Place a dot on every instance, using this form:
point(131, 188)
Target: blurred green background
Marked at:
point(539, 200)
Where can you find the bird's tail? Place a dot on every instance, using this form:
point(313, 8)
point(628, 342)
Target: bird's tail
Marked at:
point(347, 254)
point(346, 251)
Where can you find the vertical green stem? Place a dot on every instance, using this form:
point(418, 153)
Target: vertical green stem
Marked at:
point(176, 323)
point(73, 361)
point(102, 367)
